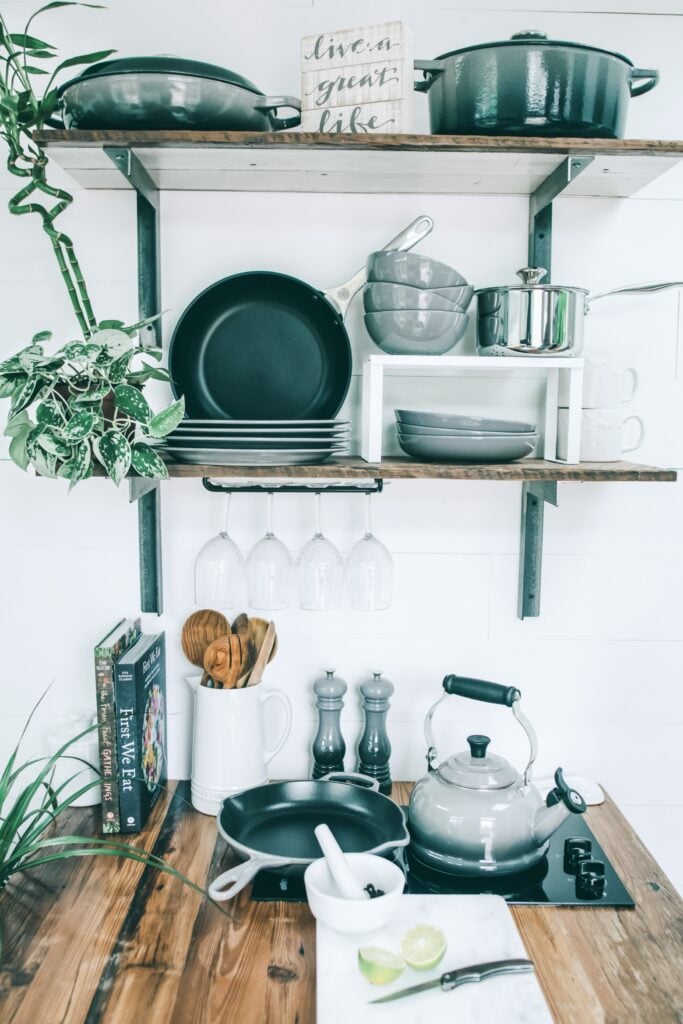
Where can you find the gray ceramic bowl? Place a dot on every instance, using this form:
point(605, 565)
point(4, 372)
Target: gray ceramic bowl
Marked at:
point(379, 296)
point(469, 449)
point(403, 430)
point(412, 269)
point(411, 332)
point(451, 419)
point(460, 295)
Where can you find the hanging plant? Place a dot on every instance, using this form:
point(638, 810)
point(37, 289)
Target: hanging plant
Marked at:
point(84, 402)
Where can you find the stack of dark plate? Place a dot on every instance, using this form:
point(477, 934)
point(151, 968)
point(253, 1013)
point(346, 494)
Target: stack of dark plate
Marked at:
point(451, 437)
point(256, 442)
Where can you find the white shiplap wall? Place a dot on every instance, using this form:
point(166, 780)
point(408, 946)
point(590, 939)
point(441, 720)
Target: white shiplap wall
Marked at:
point(601, 668)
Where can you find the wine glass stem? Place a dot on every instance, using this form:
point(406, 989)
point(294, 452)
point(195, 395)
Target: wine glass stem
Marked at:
point(318, 516)
point(226, 513)
point(271, 498)
point(368, 515)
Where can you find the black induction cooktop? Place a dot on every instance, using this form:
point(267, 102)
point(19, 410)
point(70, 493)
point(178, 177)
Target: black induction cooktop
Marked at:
point(547, 883)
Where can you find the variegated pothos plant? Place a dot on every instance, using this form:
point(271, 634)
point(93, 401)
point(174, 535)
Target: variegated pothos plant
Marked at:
point(82, 403)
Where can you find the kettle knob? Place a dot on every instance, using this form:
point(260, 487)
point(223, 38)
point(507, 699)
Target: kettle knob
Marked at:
point(478, 745)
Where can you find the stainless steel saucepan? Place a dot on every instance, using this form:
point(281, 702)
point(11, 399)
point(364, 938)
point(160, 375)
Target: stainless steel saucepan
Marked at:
point(540, 319)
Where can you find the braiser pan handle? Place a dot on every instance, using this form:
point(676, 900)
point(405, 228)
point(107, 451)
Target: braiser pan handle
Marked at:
point(480, 689)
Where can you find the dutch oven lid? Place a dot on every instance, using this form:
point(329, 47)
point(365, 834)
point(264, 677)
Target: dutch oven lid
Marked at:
point(475, 769)
point(534, 38)
point(163, 64)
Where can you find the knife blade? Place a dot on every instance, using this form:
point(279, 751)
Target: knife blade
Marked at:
point(461, 976)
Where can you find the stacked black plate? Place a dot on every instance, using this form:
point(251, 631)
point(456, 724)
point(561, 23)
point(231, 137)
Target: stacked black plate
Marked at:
point(256, 442)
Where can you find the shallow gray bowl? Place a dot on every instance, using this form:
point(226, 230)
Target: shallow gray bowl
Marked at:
point(379, 296)
point(412, 269)
point(403, 430)
point(468, 449)
point(460, 295)
point(416, 332)
point(451, 419)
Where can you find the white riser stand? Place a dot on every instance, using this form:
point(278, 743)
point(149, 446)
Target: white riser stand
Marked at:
point(375, 367)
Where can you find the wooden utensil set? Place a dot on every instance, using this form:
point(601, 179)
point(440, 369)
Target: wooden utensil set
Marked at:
point(232, 657)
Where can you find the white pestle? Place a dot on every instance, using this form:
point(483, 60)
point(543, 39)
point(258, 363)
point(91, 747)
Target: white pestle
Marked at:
point(344, 878)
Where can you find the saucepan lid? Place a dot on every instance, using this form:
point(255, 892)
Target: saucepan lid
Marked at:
point(531, 37)
point(163, 64)
point(477, 769)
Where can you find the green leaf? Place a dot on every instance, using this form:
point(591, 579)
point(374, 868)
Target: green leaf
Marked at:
point(79, 427)
point(17, 448)
point(41, 336)
point(30, 356)
point(118, 370)
point(11, 365)
point(74, 350)
point(7, 386)
point(115, 340)
point(147, 462)
point(48, 413)
point(88, 397)
point(116, 324)
point(113, 451)
point(166, 420)
point(45, 464)
point(32, 70)
point(16, 424)
point(133, 403)
point(78, 465)
point(51, 444)
point(26, 394)
point(29, 42)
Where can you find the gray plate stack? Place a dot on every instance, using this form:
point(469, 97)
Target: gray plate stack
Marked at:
point(450, 437)
point(256, 442)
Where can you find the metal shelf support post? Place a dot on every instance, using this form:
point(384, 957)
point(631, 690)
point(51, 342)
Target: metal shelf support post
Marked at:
point(147, 493)
point(541, 210)
point(534, 496)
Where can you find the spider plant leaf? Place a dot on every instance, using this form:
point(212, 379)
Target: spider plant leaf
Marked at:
point(84, 58)
point(166, 420)
point(29, 42)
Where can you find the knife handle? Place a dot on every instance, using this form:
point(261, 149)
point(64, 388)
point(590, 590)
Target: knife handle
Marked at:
point(479, 972)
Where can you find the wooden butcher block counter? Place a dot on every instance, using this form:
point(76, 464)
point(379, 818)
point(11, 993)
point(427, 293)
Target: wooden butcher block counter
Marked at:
point(106, 940)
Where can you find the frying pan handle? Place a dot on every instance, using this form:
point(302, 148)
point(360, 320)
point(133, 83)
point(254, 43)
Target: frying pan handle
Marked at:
point(634, 289)
point(356, 777)
point(405, 240)
point(239, 876)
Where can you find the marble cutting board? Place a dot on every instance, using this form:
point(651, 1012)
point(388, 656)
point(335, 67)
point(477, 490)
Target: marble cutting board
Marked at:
point(478, 928)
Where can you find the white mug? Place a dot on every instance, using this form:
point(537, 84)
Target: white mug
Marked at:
point(601, 434)
point(605, 384)
point(229, 751)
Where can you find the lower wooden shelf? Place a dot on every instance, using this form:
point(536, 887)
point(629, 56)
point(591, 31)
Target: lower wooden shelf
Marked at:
point(355, 468)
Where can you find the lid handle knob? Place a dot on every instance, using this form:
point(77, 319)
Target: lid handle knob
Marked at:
point(530, 34)
point(478, 745)
point(532, 275)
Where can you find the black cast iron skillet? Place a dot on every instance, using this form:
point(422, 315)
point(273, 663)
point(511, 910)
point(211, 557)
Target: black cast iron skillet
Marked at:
point(264, 345)
point(272, 825)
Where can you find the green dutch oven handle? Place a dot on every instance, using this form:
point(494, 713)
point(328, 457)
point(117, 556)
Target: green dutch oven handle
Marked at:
point(432, 69)
point(652, 79)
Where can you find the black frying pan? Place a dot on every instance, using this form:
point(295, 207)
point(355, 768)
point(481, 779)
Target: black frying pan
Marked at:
point(272, 825)
point(263, 345)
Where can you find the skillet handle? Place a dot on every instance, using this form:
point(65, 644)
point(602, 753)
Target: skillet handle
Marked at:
point(405, 240)
point(239, 876)
point(356, 777)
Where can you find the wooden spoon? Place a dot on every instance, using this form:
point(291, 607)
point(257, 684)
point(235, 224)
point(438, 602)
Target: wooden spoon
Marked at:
point(263, 656)
point(257, 629)
point(240, 627)
point(199, 630)
point(223, 660)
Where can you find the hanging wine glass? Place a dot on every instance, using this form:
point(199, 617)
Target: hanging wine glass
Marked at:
point(269, 570)
point(321, 571)
point(219, 570)
point(369, 570)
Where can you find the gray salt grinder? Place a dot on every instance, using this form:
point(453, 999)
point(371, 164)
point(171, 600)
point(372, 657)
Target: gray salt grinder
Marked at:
point(374, 747)
point(328, 746)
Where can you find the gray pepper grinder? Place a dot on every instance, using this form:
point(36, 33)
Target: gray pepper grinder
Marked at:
point(328, 746)
point(374, 747)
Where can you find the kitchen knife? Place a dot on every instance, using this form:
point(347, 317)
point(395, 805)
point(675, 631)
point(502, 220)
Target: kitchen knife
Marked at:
point(450, 980)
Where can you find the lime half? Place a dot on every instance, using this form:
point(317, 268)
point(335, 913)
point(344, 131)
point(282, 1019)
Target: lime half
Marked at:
point(423, 947)
point(379, 966)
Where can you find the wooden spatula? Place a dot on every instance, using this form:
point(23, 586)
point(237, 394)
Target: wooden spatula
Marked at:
point(263, 656)
point(257, 630)
point(223, 660)
point(199, 630)
point(240, 628)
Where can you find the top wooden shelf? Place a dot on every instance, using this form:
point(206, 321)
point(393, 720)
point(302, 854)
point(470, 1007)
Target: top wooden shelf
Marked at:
point(315, 162)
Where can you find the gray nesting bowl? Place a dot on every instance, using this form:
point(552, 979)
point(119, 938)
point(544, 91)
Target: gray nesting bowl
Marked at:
point(461, 295)
point(485, 448)
point(379, 296)
point(448, 420)
point(412, 269)
point(415, 332)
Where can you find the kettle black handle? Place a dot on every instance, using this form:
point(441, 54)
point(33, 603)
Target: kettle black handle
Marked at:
point(480, 689)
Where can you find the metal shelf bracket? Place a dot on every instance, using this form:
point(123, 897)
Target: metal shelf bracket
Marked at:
point(147, 494)
point(534, 496)
point(541, 210)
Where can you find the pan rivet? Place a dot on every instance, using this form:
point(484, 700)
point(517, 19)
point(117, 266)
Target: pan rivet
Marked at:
point(343, 293)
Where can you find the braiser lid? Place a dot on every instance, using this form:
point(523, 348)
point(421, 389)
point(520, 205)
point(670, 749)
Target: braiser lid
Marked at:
point(475, 769)
point(534, 38)
point(163, 64)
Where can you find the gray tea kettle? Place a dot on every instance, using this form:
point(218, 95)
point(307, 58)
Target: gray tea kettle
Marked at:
point(474, 814)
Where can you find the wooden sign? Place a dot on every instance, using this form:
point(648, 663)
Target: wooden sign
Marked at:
point(358, 80)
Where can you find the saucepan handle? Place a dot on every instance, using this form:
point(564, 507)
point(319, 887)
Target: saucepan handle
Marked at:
point(431, 69)
point(651, 78)
point(271, 103)
point(405, 240)
point(236, 878)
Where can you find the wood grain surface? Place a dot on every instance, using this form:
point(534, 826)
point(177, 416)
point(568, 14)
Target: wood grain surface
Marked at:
point(102, 941)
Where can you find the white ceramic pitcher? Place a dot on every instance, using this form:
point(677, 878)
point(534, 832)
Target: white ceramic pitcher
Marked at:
point(229, 752)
